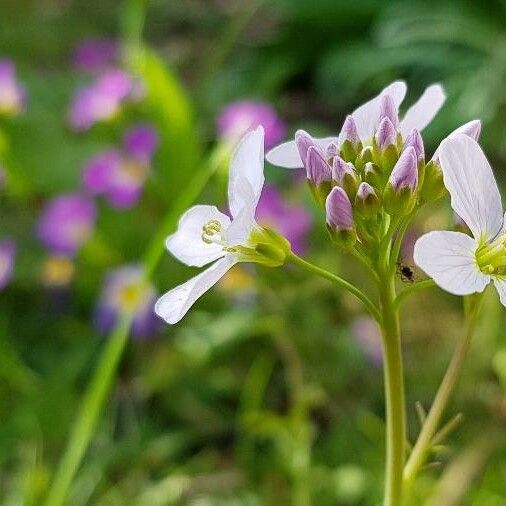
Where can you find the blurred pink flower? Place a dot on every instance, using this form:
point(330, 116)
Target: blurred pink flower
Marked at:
point(291, 220)
point(12, 94)
point(238, 118)
point(120, 174)
point(7, 258)
point(66, 223)
point(95, 54)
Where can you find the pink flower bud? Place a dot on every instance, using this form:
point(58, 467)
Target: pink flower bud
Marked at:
point(414, 140)
point(388, 109)
point(405, 171)
point(349, 131)
point(317, 168)
point(338, 210)
point(386, 134)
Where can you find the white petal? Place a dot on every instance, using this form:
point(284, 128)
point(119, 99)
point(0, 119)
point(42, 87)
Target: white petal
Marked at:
point(421, 113)
point(186, 243)
point(474, 193)
point(471, 128)
point(246, 171)
point(241, 227)
point(287, 155)
point(500, 284)
point(367, 115)
point(175, 304)
point(449, 259)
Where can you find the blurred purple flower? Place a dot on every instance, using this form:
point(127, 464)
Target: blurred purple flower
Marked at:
point(66, 223)
point(102, 99)
point(292, 221)
point(126, 291)
point(121, 176)
point(239, 117)
point(92, 55)
point(366, 333)
point(7, 258)
point(12, 94)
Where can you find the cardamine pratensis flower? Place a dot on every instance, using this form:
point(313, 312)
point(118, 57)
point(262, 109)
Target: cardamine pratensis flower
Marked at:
point(66, 224)
point(361, 126)
point(205, 235)
point(91, 55)
point(291, 220)
point(102, 99)
point(120, 175)
point(12, 93)
point(7, 259)
point(126, 291)
point(457, 262)
point(240, 117)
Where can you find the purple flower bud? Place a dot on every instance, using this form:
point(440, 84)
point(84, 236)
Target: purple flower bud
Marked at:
point(405, 171)
point(340, 168)
point(66, 223)
point(317, 168)
point(386, 134)
point(414, 140)
point(7, 258)
point(141, 142)
point(12, 94)
point(91, 55)
point(332, 150)
point(292, 221)
point(304, 141)
point(338, 210)
point(388, 109)
point(126, 291)
point(365, 191)
point(239, 117)
point(349, 131)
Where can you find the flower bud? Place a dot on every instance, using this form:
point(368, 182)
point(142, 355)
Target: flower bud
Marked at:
point(433, 187)
point(399, 196)
point(332, 150)
point(388, 109)
point(373, 176)
point(317, 168)
point(386, 134)
point(349, 139)
point(340, 217)
point(414, 140)
point(345, 176)
point(367, 202)
point(303, 141)
point(318, 174)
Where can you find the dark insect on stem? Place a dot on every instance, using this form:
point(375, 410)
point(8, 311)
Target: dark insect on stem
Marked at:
point(406, 272)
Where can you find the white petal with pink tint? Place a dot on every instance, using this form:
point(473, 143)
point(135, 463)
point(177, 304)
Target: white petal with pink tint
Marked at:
point(474, 193)
point(500, 284)
point(449, 259)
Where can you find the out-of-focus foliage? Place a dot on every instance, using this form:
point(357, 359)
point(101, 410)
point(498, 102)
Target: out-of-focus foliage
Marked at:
point(262, 395)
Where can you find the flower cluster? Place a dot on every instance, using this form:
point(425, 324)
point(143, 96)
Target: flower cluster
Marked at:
point(375, 166)
point(120, 174)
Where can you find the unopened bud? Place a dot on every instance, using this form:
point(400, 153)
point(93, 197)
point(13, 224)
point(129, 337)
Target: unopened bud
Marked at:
point(414, 140)
point(386, 134)
point(373, 175)
point(388, 109)
point(332, 150)
point(345, 176)
point(303, 141)
point(340, 216)
point(349, 140)
point(433, 187)
point(317, 168)
point(399, 196)
point(367, 202)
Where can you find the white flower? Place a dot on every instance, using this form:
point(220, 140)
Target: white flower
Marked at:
point(458, 263)
point(366, 119)
point(207, 235)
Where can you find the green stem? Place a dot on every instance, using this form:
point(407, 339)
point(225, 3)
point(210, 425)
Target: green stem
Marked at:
point(415, 287)
point(430, 426)
point(342, 283)
point(101, 382)
point(394, 393)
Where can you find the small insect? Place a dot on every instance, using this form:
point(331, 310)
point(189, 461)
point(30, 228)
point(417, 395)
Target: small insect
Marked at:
point(406, 272)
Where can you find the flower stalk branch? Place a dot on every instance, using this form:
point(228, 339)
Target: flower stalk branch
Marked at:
point(429, 429)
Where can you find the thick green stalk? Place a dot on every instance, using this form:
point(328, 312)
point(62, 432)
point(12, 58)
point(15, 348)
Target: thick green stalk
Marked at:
point(431, 424)
point(394, 392)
